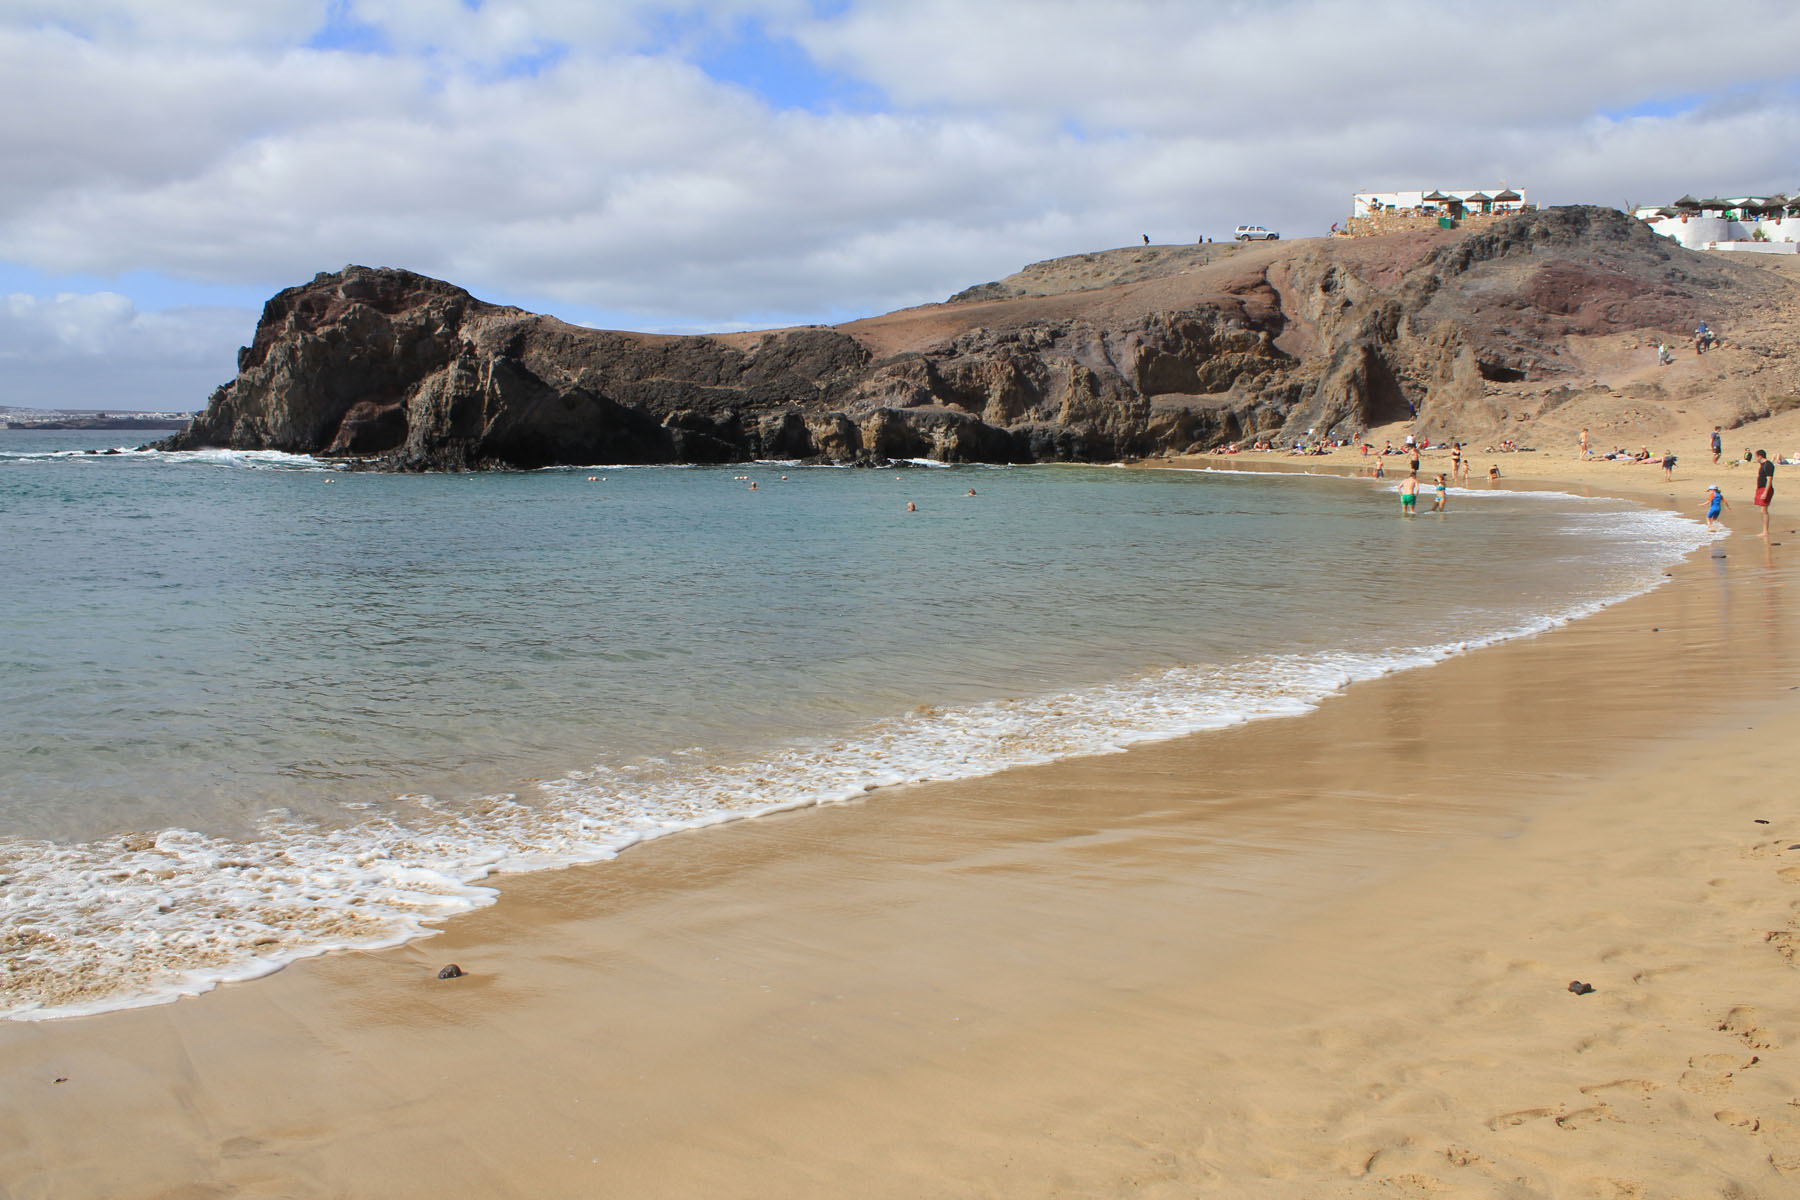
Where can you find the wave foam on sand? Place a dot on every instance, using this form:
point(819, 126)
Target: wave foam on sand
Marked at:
point(144, 919)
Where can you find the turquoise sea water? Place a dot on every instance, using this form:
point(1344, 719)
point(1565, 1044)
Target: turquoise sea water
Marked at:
point(252, 707)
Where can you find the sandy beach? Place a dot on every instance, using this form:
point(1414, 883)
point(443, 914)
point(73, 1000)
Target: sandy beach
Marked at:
point(1318, 956)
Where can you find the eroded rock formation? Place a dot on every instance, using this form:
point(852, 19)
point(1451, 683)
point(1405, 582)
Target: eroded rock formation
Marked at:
point(1091, 358)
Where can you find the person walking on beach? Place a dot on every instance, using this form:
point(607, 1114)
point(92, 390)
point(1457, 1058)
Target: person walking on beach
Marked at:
point(1715, 499)
point(1718, 445)
point(1765, 486)
point(1668, 464)
point(1585, 452)
point(1457, 466)
point(1409, 495)
point(1442, 501)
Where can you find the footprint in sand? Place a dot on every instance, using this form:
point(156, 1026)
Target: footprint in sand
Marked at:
point(1521, 1116)
point(1742, 1024)
point(1581, 1118)
point(1711, 1074)
point(1781, 1137)
point(1414, 1185)
point(1786, 943)
point(1784, 1145)
point(1640, 1087)
point(1616, 1189)
point(1791, 874)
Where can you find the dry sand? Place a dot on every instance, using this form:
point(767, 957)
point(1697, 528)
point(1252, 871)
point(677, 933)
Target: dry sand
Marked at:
point(1312, 957)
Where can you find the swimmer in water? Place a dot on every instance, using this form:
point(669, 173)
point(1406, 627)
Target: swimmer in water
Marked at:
point(911, 507)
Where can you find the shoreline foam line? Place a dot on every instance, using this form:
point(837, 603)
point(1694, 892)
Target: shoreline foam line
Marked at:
point(87, 918)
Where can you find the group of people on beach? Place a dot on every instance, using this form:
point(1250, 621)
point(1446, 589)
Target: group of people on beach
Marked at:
point(1311, 445)
point(1458, 474)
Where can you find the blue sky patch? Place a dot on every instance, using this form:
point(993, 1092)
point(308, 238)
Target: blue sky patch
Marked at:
point(343, 32)
point(776, 68)
point(1661, 108)
point(1744, 95)
point(150, 291)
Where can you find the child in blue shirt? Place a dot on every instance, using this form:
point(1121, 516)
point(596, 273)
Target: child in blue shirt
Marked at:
point(1714, 500)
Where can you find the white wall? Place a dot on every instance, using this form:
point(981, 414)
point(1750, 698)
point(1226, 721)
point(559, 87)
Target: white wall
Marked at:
point(1756, 247)
point(1696, 232)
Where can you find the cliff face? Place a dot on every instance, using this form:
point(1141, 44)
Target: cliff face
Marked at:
point(1091, 358)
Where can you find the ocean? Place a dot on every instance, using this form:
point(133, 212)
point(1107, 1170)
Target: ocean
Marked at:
point(253, 707)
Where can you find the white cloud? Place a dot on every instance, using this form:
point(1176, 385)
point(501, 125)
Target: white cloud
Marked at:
point(209, 142)
point(96, 350)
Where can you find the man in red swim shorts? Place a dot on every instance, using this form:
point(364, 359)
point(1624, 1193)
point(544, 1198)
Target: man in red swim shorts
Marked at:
point(1765, 486)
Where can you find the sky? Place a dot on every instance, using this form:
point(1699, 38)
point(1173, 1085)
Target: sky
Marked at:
point(740, 164)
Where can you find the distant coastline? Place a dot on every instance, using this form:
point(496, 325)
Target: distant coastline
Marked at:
point(96, 420)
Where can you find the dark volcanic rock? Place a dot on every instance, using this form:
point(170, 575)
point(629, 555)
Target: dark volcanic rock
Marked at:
point(1092, 358)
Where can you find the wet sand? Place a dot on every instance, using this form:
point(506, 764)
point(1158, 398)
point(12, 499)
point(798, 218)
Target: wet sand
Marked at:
point(1320, 956)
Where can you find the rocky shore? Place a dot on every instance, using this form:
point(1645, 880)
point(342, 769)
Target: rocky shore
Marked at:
point(1097, 357)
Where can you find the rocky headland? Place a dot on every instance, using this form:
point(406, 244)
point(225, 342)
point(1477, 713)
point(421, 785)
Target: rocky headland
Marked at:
point(1096, 357)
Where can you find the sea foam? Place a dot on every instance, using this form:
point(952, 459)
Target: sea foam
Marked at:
point(142, 919)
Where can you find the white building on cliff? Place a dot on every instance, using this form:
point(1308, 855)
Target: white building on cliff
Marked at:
point(1455, 203)
point(1758, 224)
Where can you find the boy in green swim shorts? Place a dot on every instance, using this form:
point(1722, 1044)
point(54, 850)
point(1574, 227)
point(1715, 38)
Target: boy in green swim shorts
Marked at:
point(1409, 495)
